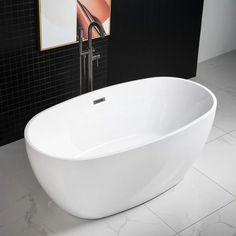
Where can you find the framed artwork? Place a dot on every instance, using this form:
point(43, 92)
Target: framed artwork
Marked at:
point(61, 19)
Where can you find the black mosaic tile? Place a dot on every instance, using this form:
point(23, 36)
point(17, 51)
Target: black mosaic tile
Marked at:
point(31, 80)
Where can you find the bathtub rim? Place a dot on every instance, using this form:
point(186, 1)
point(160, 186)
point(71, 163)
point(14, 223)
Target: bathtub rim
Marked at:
point(112, 153)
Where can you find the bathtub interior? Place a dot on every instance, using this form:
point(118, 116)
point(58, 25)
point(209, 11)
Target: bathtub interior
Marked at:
point(133, 114)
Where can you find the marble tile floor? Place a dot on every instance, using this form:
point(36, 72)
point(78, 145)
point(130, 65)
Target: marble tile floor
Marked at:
point(203, 204)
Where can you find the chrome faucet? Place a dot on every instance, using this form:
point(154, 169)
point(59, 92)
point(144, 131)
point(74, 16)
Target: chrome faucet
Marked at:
point(92, 57)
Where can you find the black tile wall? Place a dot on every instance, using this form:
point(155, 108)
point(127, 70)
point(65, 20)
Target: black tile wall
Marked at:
point(30, 80)
point(159, 37)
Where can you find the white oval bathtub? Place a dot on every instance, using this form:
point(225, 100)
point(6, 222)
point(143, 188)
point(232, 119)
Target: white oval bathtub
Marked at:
point(112, 149)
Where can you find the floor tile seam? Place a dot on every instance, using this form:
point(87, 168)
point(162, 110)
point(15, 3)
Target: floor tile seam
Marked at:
point(208, 215)
point(160, 218)
point(217, 138)
point(213, 181)
point(225, 133)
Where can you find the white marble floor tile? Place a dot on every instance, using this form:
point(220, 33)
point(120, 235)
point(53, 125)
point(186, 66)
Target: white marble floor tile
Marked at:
point(215, 133)
point(194, 198)
point(210, 77)
point(233, 133)
point(218, 162)
point(219, 75)
point(221, 223)
point(138, 221)
point(226, 120)
point(226, 99)
point(226, 109)
point(225, 60)
point(13, 158)
point(216, 77)
point(16, 186)
point(12, 219)
point(16, 176)
point(201, 79)
point(30, 232)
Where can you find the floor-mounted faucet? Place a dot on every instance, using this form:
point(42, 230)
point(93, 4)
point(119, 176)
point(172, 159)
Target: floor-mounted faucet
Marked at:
point(92, 57)
point(90, 53)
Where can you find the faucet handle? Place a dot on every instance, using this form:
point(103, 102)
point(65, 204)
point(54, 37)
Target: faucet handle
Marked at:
point(97, 58)
point(93, 49)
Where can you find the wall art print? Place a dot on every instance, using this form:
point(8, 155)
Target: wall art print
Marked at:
point(89, 11)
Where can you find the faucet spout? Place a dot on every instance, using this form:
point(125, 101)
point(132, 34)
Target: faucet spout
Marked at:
point(90, 29)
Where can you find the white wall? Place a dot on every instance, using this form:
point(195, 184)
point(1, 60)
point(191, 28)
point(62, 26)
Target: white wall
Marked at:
point(218, 28)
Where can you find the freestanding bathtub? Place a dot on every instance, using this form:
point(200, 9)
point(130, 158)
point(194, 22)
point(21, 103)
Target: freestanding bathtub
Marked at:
point(112, 149)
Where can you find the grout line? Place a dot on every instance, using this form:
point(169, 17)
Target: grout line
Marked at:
point(232, 134)
point(231, 131)
point(225, 133)
point(206, 216)
point(216, 138)
point(153, 212)
point(234, 196)
point(220, 128)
